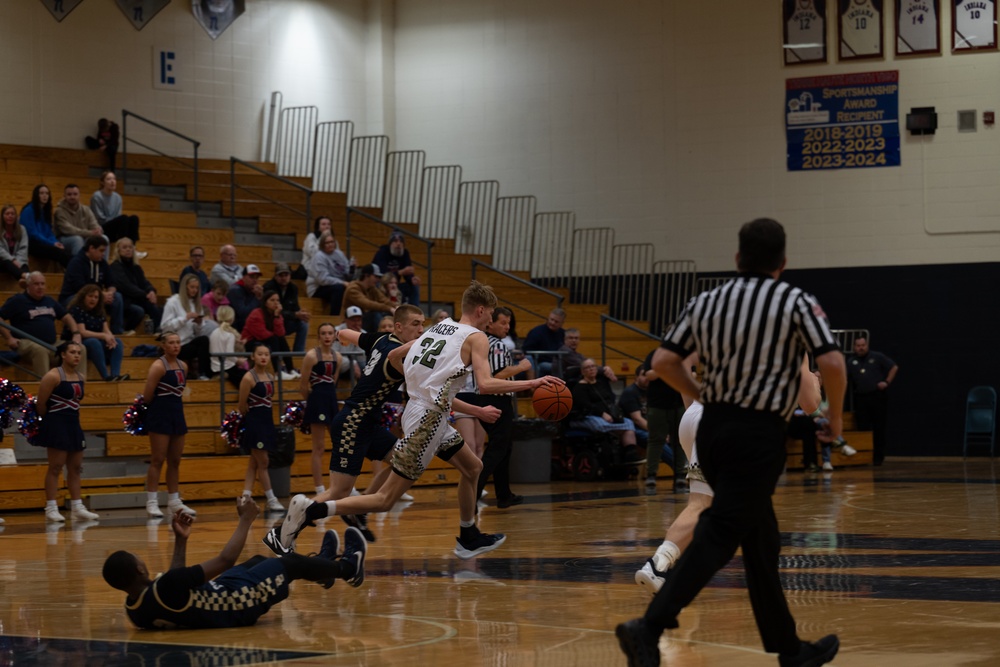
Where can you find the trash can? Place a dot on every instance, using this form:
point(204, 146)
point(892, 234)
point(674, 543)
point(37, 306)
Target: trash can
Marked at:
point(531, 456)
point(279, 465)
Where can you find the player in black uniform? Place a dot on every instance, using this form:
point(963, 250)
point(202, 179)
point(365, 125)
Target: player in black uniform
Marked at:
point(215, 594)
point(357, 430)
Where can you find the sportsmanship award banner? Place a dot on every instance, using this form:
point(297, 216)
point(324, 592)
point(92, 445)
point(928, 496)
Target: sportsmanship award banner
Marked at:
point(842, 121)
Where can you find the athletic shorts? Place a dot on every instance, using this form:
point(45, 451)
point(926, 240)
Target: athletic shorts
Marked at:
point(687, 431)
point(428, 434)
point(355, 439)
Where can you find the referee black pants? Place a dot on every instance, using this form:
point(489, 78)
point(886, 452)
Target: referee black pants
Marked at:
point(496, 456)
point(742, 453)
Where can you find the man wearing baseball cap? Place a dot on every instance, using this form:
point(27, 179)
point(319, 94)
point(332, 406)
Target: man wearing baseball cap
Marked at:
point(393, 257)
point(296, 319)
point(244, 295)
point(365, 294)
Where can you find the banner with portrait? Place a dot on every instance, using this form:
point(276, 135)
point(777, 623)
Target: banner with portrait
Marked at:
point(918, 27)
point(217, 15)
point(804, 28)
point(974, 25)
point(859, 28)
point(60, 9)
point(141, 12)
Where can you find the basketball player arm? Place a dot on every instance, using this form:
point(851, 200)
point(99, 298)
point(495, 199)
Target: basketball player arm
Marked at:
point(156, 372)
point(248, 511)
point(488, 414)
point(348, 336)
point(49, 382)
point(478, 348)
point(673, 369)
point(834, 372)
point(398, 355)
point(181, 525)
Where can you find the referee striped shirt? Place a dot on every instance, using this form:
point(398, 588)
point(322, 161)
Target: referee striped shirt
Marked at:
point(498, 357)
point(751, 334)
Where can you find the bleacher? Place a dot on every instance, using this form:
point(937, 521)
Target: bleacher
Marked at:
point(210, 470)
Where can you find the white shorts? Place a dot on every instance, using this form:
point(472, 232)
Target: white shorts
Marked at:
point(428, 434)
point(688, 431)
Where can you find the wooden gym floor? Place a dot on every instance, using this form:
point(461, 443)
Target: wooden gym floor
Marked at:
point(902, 561)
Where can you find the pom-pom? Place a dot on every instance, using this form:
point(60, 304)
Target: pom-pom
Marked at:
point(294, 416)
point(30, 421)
point(135, 417)
point(391, 413)
point(232, 428)
point(12, 398)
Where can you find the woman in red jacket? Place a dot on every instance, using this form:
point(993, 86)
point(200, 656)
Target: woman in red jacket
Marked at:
point(266, 325)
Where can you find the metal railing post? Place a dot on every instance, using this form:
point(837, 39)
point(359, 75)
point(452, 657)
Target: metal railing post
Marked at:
point(232, 192)
point(125, 143)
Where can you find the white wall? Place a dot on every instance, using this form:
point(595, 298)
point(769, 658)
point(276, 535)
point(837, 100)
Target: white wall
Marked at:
point(59, 78)
point(663, 119)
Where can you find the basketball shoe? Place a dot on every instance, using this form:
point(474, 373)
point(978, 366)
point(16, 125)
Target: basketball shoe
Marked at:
point(175, 506)
point(478, 544)
point(153, 509)
point(294, 522)
point(640, 645)
point(649, 577)
point(359, 521)
point(328, 550)
point(812, 654)
point(355, 550)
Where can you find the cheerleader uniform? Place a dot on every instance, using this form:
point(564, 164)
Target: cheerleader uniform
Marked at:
point(258, 422)
point(60, 427)
point(165, 414)
point(321, 405)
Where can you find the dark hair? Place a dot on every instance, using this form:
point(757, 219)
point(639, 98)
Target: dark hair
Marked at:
point(366, 270)
point(316, 225)
point(95, 242)
point(120, 570)
point(512, 332)
point(326, 324)
point(197, 247)
point(254, 344)
point(501, 310)
point(41, 212)
point(268, 315)
point(79, 297)
point(762, 246)
point(219, 282)
point(17, 225)
point(63, 347)
point(71, 185)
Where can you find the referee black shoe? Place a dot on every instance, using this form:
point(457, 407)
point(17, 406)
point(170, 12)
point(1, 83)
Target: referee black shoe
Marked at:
point(812, 654)
point(638, 643)
point(359, 521)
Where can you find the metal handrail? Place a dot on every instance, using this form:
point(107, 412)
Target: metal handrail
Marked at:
point(427, 295)
point(605, 318)
point(194, 144)
point(22, 334)
point(558, 297)
point(233, 161)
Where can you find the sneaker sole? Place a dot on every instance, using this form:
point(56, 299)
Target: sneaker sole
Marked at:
point(466, 554)
point(295, 521)
point(651, 584)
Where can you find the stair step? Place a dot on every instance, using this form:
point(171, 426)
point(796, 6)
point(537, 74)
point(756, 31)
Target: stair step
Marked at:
point(132, 176)
point(161, 191)
point(277, 241)
point(248, 225)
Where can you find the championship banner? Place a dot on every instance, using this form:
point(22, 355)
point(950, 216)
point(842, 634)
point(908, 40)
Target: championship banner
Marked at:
point(141, 12)
point(217, 15)
point(842, 121)
point(60, 9)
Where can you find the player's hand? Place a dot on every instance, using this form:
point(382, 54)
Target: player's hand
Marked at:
point(181, 524)
point(490, 414)
point(548, 381)
point(246, 508)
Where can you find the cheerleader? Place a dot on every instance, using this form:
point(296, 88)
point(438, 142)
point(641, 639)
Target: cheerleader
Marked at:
point(59, 396)
point(166, 425)
point(256, 390)
point(319, 387)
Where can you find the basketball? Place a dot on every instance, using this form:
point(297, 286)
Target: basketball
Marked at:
point(552, 402)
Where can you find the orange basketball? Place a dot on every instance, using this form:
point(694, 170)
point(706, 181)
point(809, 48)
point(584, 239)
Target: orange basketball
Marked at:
point(552, 402)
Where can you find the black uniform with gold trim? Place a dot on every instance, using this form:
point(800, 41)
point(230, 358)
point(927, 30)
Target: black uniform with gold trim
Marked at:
point(357, 430)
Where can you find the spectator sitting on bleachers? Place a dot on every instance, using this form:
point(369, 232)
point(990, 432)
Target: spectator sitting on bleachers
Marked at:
point(329, 273)
point(35, 314)
point(130, 280)
point(394, 257)
point(390, 287)
point(572, 360)
point(266, 325)
point(36, 218)
point(440, 315)
point(228, 268)
point(512, 342)
point(88, 266)
point(633, 403)
point(185, 315)
point(197, 257)
point(244, 295)
point(365, 294)
point(545, 338)
point(74, 222)
point(215, 298)
point(227, 339)
point(107, 207)
point(104, 350)
point(351, 354)
point(106, 140)
point(385, 325)
point(14, 245)
point(595, 408)
point(311, 245)
point(296, 319)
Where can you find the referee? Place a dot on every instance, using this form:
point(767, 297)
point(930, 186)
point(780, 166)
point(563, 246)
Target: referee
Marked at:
point(751, 334)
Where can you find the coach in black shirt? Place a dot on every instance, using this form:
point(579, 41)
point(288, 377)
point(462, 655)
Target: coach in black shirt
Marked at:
point(751, 334)
point(871, 373)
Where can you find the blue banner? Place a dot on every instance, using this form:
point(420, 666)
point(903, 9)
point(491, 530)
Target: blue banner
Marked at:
point(843, 121)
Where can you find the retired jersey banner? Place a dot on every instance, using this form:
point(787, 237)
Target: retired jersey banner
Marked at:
point(60, 9)
point(842, 121)
point(141, 12)
point(217, 15)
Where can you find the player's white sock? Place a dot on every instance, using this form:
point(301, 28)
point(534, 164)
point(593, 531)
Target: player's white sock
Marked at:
point(355, 492)
point(666, 555)
point(467, 524)
point(269, 494)
point(320, 489)
point(247, 493)
point(76, 503)
point(151, 496)
point(174, 497)
point(51, 503)
point(331, 508)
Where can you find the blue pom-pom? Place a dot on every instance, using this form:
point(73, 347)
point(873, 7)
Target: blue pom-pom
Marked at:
point(30, 421)
point(134, 418)
point(294, 416)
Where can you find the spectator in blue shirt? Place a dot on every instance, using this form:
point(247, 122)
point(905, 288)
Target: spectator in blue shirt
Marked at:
point(36, 218)
point(197, 256)
point(548, 337)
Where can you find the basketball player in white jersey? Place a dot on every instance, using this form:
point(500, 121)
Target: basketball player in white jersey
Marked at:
point(650, 576)
point(435, 366)
point(806, 34)
point(974, 23)
point(918, 26)
point(861, 29)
